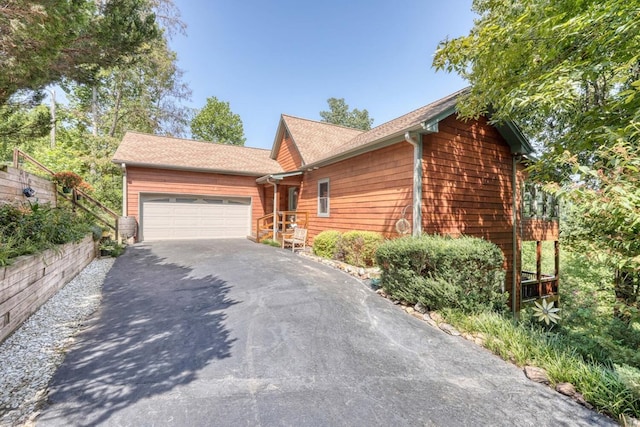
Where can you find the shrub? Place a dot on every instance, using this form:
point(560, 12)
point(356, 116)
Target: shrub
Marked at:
point(359, 247)
point(441, 272)
point(325, 244)
point(30, 229)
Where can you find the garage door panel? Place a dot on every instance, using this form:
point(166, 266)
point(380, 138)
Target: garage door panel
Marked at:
point(188, 218)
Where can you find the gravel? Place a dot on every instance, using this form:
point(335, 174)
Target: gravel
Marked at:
point(29, 357)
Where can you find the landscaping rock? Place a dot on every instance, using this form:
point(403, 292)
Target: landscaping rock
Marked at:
point(580, 399)
point(409, 310)
point(420, 308)
point(436, 317)
point(429, 320)
point(536, 374)
point(449, 329)
point(418, 315)
point(630, 421)
point(479, 340)
point(566, 388)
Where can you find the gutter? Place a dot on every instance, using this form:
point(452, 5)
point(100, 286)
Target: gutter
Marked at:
point(416, 229)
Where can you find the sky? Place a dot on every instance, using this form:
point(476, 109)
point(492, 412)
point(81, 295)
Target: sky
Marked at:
point(268, 58)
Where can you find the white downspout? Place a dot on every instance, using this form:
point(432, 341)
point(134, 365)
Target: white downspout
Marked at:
point(275, 208)
point(417, 184)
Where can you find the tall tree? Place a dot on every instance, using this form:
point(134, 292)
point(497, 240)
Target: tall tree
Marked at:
point(144, 94)
point(339, 114)
point(216, 122)
point(569, 72)
point(42, 42)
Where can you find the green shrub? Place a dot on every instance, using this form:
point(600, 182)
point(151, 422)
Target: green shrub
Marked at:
point(30, 229)
point(359, 247)
point(325, 244)
point(271, 242)
point(441, 272)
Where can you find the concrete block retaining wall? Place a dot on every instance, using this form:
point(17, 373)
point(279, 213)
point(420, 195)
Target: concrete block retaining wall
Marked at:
point(13, 181)
point(31, 280)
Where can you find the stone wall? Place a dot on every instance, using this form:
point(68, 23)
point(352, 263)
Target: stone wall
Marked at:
point(13, 181)
point(31, 280)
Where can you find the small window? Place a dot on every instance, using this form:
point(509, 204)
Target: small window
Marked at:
point(323, 197)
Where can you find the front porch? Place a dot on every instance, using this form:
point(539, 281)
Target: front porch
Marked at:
point(279, 225)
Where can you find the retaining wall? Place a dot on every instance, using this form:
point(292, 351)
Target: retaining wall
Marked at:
point(13, 181)
point(31, 280)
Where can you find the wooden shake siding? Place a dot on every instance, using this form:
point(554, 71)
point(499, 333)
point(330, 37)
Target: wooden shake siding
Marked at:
point(467, 186)
point(288, 155)
point(165, 181)
point(367, 192)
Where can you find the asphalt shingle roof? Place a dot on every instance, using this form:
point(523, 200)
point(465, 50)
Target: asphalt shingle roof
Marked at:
point(150, 150)
point(314, 139)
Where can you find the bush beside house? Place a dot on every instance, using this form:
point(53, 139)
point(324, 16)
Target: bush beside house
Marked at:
point(355, 247)
point(465, 273)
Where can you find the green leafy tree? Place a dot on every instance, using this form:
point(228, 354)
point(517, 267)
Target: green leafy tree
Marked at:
point(42, 42)
point(144, 94)
point(569, 73)
point(216, 122)
point(339, 114)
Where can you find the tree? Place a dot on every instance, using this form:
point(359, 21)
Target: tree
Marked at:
point(339, 114)
point(42, 42)
point(569, 72)
point(144, 94)
point(217, 123)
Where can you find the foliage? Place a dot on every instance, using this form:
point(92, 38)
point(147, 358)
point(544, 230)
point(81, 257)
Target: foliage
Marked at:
point(142, 94)
point(67, 179)
point(44, 42)
point(20, 124)
point(359, 248)
point(112, 248)
point(611, 389)
point(570, 74)
point(216, 122)
point(339, 114)
point(271, 242)
point(33, 228)
point(442, 272)
point(325, 244)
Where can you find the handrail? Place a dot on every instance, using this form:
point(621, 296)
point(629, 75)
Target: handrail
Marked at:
point(265, 226)
point(17, 154)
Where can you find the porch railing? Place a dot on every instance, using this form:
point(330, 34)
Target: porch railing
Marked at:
point(284, 223)
point(533, 287)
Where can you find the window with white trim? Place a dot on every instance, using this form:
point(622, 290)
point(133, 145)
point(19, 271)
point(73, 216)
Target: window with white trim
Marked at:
point(323, 197)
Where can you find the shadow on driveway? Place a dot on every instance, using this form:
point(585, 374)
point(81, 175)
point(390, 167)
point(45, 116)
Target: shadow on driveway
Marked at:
point(139, 344)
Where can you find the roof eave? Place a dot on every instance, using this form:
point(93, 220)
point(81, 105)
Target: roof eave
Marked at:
point(186, 168)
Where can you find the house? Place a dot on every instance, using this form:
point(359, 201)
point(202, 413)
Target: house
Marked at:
point(424, 172)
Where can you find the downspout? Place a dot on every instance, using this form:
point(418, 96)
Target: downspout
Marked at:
point(417, 184)
point(275, 208)
point(514, 216)
point(124, 189)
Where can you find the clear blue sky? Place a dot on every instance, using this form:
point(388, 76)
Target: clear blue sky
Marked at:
point(285, 56)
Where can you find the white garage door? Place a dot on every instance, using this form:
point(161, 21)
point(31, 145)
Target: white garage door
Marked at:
point(175, 217)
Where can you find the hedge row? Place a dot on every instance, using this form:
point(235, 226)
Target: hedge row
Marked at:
point(465, 273)
point(353, 247)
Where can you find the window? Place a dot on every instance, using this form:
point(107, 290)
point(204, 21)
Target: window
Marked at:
point(323, 197)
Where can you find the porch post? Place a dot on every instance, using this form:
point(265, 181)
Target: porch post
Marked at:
point(276, 199)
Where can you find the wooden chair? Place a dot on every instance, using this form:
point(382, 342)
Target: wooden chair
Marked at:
point(297, 239)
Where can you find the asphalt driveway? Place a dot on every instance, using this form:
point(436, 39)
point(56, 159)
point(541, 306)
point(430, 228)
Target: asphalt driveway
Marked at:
point(232, 333)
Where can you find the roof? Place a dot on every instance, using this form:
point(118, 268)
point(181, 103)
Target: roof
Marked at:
point(312, 138)
point(140, 149)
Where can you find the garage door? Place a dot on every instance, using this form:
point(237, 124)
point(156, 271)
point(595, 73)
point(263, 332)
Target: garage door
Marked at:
point(171, 218)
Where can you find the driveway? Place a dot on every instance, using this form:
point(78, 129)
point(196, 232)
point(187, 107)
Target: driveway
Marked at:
point(232, 333)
